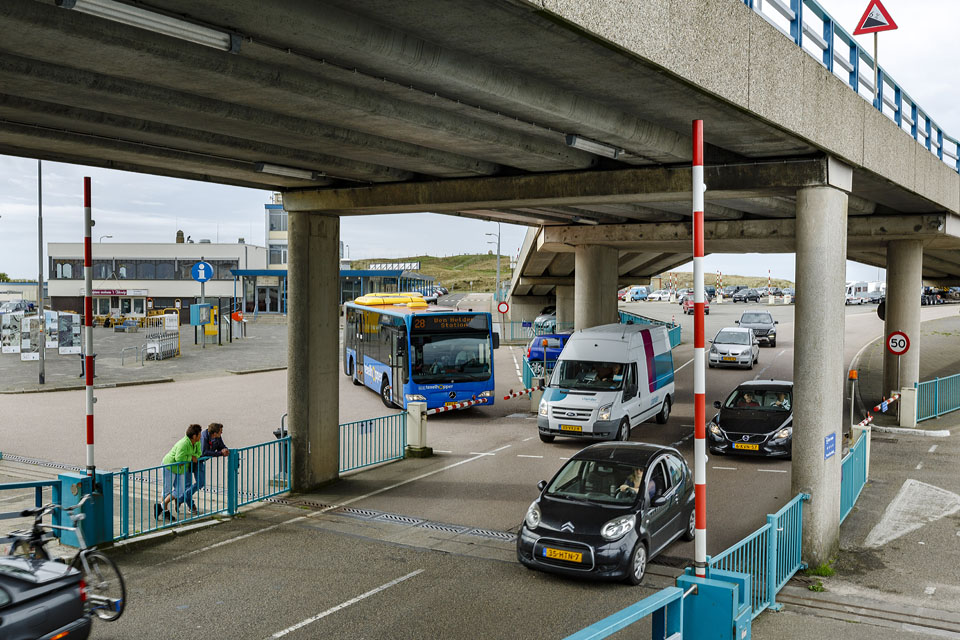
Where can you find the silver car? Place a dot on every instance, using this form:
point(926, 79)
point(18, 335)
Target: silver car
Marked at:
point(734, 347)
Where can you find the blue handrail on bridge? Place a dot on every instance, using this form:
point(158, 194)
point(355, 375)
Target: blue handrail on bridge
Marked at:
point(816, 32)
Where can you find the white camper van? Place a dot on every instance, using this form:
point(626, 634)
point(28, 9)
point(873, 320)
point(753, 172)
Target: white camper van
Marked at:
point(608, 379)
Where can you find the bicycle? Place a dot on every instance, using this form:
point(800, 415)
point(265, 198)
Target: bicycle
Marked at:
point(106, 590)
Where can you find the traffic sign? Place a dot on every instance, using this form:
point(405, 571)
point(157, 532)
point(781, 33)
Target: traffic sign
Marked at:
point(202, 271)
point(898, 343)
point(875, 19)
point(503, 307)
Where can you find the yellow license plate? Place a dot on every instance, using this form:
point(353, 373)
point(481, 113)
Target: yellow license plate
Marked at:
point(729, 359)
point(450, 404)
point(570, 427)
point(560, 554)
point(744, 445)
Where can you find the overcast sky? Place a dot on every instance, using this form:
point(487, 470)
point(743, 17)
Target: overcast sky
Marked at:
point(141, 208)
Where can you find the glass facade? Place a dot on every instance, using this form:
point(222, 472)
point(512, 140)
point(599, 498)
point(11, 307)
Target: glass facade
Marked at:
point(140, 269)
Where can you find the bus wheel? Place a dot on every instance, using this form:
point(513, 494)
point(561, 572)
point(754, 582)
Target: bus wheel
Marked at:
point(350, 373)
point(385, 392)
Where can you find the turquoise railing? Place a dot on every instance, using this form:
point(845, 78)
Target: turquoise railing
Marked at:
point(665, 605)
point(522, 331)
point(673, 330)
point(369, 442)
point(817, 33)
point(853, 475)
point(937, 397)
point(38, 487)
point(770, 555)
point(536, 369)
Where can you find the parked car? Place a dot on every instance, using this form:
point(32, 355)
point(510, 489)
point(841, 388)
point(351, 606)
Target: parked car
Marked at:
point(763, 325)
point(538, 353)
point(730, 290)
point(688, 308)
point(659, 294)
point(874, 297)
point(546, 322)
point(623, 293)
point(711, 290)
point(746, 295)
point(790, 292)
point(608, 511)
point(639, 293)
point(608, 379)
point(734, 347)
point(755, 419)
point(41, 599)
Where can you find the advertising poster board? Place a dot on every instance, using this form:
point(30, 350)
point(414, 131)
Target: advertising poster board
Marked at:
point(50, 329)
point(69, 334)
point(10, 324)
point(31, 337)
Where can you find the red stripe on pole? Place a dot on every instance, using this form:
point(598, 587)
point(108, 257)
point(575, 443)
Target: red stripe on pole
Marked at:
point(86, 192)
point(698, 234)
point(87, 252)
point(700, 416)
point(88, 370)
point(90, 429)
point(700, 496)
point(88, 311)
point(698, 143)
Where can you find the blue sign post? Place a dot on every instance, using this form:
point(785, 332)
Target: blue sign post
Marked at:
point(201, 272)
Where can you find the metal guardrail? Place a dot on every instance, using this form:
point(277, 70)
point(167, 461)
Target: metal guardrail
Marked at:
point(853, 475)
point(937, 397)
point(37, 486)
point(536, 369)
point(368, 442)
point(817, 33)
point(770, 555)
point(674, 331)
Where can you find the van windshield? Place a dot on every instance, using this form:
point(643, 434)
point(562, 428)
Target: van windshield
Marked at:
point(588, 375)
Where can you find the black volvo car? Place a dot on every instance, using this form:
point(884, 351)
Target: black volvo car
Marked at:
point(756, 419)
point(608, 510)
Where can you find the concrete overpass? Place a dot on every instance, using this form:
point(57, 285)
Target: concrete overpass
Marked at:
point(571, 116)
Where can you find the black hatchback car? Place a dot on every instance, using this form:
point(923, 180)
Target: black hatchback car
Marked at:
point(41, 599)
point(609, 510)
point(746, 295)
point(756, 419)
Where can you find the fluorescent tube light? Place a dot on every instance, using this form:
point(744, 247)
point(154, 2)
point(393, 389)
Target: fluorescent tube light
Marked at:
point(585, 221)
point(290, 172)
point(156, 22)
point(592, 146)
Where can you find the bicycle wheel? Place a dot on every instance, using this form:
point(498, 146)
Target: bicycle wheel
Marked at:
point(106, 591)
point(25, 549)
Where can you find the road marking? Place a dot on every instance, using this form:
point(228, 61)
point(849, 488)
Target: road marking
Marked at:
point(958, 533)
point(520, 455)
point(932, 449)
point(682, 366)
point(725, 468)
point(772, 470)
point(474, 453)
point(682, 440)
point(919, 466)
point(781, 353)
point(930, 591)
point(441, 451)
point(915, 505)
point(383, 587)
point(530, 438)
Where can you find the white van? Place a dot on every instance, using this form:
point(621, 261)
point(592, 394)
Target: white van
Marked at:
point(607, 380)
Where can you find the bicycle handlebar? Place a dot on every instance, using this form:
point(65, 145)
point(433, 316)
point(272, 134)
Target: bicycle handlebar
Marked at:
point(39, 512)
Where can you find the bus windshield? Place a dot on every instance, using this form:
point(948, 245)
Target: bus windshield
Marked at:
point(450, 357)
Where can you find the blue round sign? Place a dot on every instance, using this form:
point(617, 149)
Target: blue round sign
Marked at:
point(202, 271)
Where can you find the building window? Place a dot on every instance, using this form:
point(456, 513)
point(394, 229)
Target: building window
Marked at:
point(222, 268)
point(124, 306)
point(278, 254)
point(63, 269)
point(184, 265)
point(126, 270)
point(278, 221)
point(166, 269)
point(102, 269)
point(102, 306)
point(146, 270)
point(138, 305)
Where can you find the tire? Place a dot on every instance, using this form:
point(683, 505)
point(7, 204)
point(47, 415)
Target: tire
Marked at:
point(384, 393)
point(623, 433)
point(547, 439)
point(106, 590)
point(706, 312)
point(664, 414)
point(638, 564)
point(751, 365)
point(350, 372)
point(691, 531)
point(711, 365)
point(773, 344)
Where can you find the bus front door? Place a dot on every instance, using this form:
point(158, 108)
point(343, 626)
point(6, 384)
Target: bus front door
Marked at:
point(398, 364)
point(351, 341)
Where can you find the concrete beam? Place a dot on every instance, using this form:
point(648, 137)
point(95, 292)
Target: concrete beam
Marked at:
point(632, 186)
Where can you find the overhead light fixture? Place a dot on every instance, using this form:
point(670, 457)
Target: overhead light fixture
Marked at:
point(585, 221)
point(290, 172)
point(156, 22)
point(592, 146)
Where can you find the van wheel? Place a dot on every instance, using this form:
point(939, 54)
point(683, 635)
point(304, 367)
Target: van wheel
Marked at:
point(350, 373)
point(638, 564)
point(623, 433)
point(664, 414)
point(385, 393)
point(547, 439)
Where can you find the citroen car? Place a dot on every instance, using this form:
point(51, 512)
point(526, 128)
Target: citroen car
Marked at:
point(756, 419)
point(609, 509)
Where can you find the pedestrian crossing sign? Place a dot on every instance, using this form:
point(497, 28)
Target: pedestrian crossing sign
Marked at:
point(875, 18)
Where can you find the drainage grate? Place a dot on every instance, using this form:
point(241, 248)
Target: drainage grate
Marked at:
point(876, 438)
point(671, 561)
point(392, 517)
point(358, 513)
point(487, 533)
point(446, 528)
point(297, 503)
point(10, 457)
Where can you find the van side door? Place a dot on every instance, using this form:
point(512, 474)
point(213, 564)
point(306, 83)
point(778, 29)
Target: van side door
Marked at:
point(631, 394)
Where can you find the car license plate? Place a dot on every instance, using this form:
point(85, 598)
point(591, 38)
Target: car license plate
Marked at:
point(744, 445)
point(571, 427)
point(450, 404)
point(729, 358)
point(560, 554)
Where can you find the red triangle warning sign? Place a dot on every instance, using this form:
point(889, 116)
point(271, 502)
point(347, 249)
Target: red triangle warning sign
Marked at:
point(875, 18)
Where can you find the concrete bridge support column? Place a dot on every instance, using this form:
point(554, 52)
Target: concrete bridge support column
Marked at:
point(904, 279)
point(565, 304)
point(312, 352)
point(818, 366)
point(595, 286)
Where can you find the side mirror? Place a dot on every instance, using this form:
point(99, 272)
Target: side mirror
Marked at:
point(738, 322)
point(776, 322)
point(496, 340)
point(659, 501)
point(541, 485)
point(716, 404)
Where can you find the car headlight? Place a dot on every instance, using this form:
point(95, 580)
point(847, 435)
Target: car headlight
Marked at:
point(485, 394)
point(532, 519)
point(415, 397)
point(618, 527)
point(543, 407)
point(604, 413)
point(715, 429)
point(713, 350)
point(771, 332)
point(783, 434)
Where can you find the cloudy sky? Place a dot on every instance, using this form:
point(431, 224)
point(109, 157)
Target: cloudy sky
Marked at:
point(141, 208)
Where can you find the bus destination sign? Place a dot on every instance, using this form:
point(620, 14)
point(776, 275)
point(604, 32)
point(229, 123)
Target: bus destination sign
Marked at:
point(437, 322)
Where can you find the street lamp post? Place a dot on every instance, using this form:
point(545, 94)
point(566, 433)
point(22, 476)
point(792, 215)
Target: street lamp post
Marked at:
point(496, 295)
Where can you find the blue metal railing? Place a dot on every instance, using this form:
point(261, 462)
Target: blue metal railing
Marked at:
point(536, 369)
point(816, 32)
point(666, 606)
point(369, 442)
point(937, 397)
point(674, 331)
point(37, 486)
point(853, 475)
point(770, 555)
point(523, 331)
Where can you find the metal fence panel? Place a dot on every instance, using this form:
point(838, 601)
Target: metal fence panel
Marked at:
point(260, 470)
point(853, 475)
point(369, 442)
point(523, 331)
point(674, 331)
point(937, 397)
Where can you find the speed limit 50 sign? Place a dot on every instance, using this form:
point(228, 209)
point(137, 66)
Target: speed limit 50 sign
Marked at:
point(898, 343)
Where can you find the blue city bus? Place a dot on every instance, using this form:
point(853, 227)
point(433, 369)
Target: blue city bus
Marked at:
point(408, 352)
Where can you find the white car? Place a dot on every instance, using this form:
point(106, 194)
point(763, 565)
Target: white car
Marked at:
point(734, 347)
point(659, 294)
point(853, 298)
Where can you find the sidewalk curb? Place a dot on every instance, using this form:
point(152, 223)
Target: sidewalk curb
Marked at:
point(243, 372)
point(905, 431)
point(80, 387)
point(134, 543)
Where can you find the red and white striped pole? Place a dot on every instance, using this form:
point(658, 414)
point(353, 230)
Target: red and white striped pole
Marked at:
point(699, 361)
point(88, 320)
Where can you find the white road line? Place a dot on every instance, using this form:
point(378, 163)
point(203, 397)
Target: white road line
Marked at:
point(930, 591)
point(682, 366)
point(530, 438)
point(520, 455)
point(383, 587)
point(569, 458)
point(725, 468)
point(781, 353)
point(474, 453)
point(772, 470)
point(441, 451)
point(919, 466)
point(932, 449)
